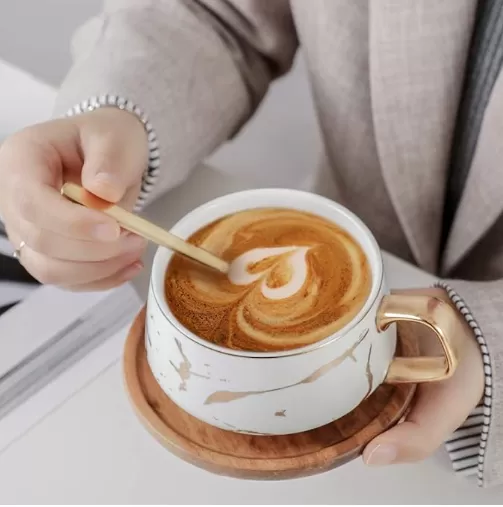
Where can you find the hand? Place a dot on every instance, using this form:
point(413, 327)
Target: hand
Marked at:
point(66, 244)
point(438, 409)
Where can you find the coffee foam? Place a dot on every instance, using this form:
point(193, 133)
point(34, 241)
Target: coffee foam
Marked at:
point(295, 267)
point(295, 278)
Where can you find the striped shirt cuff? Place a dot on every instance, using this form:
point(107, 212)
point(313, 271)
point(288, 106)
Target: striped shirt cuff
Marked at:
point(151, 173)
point(467, 445)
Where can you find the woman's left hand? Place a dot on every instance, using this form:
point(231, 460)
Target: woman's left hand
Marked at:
point(438, 409)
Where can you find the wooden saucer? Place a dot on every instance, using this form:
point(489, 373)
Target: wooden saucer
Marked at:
point(259, 457)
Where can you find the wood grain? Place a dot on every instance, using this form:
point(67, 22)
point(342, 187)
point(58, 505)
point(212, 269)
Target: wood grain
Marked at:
point(259, 457)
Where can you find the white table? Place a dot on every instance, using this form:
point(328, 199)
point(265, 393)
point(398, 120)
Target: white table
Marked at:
point(93, 450)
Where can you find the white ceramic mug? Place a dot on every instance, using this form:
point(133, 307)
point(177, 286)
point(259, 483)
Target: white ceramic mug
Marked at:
point(278, 393)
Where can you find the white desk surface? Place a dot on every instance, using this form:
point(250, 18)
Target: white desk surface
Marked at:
point(93, 450)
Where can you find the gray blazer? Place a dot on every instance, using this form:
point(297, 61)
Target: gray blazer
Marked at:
point(200, 68)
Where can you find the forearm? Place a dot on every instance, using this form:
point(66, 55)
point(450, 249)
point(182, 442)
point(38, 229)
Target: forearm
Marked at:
point(195, 75)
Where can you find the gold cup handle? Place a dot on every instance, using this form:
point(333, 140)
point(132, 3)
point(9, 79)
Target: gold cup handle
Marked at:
point(434, 313)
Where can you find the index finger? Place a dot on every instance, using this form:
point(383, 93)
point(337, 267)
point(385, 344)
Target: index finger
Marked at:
point(47, 209)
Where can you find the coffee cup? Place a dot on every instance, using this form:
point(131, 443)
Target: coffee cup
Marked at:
point(291, 391)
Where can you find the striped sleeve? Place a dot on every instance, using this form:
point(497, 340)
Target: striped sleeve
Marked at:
point(467, 445)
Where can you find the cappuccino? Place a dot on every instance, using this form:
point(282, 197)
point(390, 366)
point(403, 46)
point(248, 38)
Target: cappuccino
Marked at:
point(295, 279)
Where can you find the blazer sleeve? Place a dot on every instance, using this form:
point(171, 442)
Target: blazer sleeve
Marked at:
point(197, 69)
point(477, 447)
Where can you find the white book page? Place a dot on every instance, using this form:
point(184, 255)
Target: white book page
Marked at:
point(26, 416)
point(45, 313)
point(52, 344)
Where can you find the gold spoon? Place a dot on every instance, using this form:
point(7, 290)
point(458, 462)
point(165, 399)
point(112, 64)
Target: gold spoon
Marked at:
point(143, 227)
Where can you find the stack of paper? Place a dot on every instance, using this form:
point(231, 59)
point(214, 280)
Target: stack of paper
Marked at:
point(52, 329)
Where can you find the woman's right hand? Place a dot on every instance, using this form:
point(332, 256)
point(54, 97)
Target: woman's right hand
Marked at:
point(66, 244)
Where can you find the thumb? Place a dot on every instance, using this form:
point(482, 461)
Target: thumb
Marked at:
point(405, 443)
point(113, 163)
point(439, 409)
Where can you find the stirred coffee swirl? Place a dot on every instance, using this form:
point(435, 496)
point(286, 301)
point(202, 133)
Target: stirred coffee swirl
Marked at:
point(295, 278)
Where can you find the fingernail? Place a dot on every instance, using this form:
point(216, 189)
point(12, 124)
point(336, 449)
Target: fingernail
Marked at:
point(382, 454)
point(133, 243)
point(107, 186)
point(105, 178)
point(106, 232)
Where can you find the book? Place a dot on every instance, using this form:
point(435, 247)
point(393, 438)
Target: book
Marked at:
point(50, 330)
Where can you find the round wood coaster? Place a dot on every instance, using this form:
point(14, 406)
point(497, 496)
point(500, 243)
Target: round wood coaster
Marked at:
point(259, 457)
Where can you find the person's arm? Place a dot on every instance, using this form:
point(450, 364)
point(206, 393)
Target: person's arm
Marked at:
point(193, 71)
point(477, 447)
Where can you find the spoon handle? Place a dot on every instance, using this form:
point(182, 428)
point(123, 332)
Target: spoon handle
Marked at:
point(143, 227)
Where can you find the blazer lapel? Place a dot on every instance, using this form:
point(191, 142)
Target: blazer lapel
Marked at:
point(482, 200)
point(417, 57)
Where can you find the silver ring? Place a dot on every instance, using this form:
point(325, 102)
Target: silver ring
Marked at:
point(17, 251)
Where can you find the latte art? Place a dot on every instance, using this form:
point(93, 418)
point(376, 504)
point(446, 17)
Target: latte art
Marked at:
point(294, 270)
point(294, 279)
